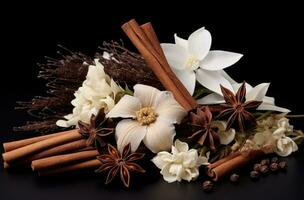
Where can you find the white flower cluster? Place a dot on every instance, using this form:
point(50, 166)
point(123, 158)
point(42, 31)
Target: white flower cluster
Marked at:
point(180, 164)
point(272, 136)
point(97, 91)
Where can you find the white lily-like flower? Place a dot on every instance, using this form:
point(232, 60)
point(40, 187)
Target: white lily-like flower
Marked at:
point(97, 91)
point(257, 93)
point(180, 164)
point(152, 115)
point(193, 60)
point(225, 136)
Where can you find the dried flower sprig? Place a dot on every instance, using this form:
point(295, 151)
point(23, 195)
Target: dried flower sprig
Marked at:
point(125, 66)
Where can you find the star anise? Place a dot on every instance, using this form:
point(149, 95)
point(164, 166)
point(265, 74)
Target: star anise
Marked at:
point(122, 163)
point(97, 128)
point(202, 120)
point(236, 110)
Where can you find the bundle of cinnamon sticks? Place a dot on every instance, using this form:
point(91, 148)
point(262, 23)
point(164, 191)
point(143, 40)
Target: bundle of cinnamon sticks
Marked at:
point(145, 40)
point(51, 154)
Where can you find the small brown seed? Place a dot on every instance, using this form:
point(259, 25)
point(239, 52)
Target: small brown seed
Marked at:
point(275, 159)
point(234, 178)
point(274, 167)
point(257, 166)
point(254, 175)
point(265, 162)
point(207, 186)
point(264, 170)
point(283, 165)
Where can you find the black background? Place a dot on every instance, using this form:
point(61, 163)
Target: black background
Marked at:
point(269, 35)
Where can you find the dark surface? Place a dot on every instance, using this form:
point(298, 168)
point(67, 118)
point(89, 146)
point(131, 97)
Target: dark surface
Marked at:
point(267, 35)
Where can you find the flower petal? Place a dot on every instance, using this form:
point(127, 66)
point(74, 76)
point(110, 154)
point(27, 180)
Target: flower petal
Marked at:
point(176, 55)
point(180, 41)
point(159, 136)
point(265, 106)
point(212, 80)
point(146, 94)
point(225, 136)
point(212, 98)
point(126, 107)
point(226, 76)
point(129, 131)
point(167, 175)
point(187, 77)
point(199, 43)
point(162, 158)
point(168, 108)
point(181, 146)
point(217, 60)
point(258, 92)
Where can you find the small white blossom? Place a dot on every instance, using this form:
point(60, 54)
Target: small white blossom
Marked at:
point(180, 164)
point(97, 91)
point(225, 136)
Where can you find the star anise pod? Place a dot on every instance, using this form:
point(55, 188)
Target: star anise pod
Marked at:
point(236, 110)
point(97, 128)
point(115, 162)
point(202, 120)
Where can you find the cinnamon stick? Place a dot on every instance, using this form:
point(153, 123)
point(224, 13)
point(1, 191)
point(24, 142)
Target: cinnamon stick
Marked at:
point(41, 145)
point(230, 165)
point(8, 146)
point(227, 158)
point(90, 164)
point(68, 147)
point(148, 47)
point(151, 35)
point(60, 160)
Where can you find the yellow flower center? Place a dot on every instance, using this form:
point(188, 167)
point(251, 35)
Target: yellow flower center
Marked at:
point(192, 63)
point(146, 116)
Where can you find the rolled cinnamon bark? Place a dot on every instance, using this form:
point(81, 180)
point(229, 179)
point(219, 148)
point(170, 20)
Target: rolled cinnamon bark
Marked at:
point(157, 62)
point(60, 160)
point(9, 146)
point(90, 164)
point(221, 161)
point(231, 164)
point(68, 147)
point(41, 145)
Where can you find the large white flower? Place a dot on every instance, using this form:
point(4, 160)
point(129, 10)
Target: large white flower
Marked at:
point(97, 91)
point(257, 93)
point(192, 60)
point(152, 114)
point(180, 164)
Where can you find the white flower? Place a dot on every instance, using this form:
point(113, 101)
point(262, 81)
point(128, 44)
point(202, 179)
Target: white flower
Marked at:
point(272, 136)
point(192, 60)
point(152, 116)
point(225, 136)
point(180, 164)
point(97, 91)
point(257, 93)
point(285, 146)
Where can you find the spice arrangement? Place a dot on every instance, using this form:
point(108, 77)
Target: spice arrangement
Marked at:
point(172, 105)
